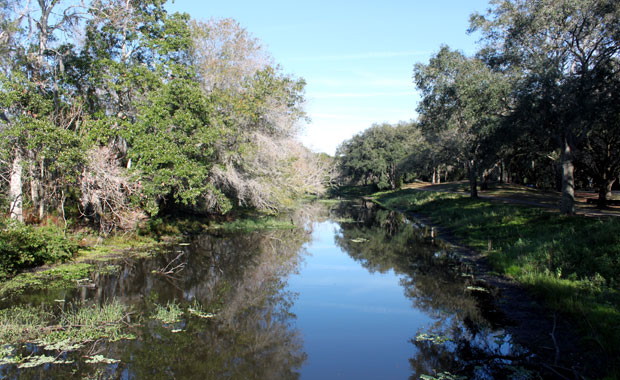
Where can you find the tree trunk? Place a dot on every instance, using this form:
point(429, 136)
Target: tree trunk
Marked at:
point(434, 175)
point(40, 190)
point(393, 179)
point(36, 189)
point(439, 174)
point(604, 192)
point(15, 189)
point(502, 172)
point(610, 185)
point(473, 179)
point(485, 179)
point(567, 204)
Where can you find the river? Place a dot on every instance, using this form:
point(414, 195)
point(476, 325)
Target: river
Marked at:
point(353, 292)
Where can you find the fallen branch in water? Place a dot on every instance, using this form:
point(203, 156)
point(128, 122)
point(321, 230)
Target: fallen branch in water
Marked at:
point(169, 271)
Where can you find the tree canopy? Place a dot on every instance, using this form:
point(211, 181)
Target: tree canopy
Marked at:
point(120, 110)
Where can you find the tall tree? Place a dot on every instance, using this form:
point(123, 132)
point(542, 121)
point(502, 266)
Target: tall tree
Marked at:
point(463, 100)
point(260, 162)
point(566, 51)
point(373, 156)
point(38, 112)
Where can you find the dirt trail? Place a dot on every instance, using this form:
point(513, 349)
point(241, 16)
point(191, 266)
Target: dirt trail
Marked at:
point(522, 195)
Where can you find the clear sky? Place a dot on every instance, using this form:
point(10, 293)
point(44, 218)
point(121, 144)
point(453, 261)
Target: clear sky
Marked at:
point(357, 57)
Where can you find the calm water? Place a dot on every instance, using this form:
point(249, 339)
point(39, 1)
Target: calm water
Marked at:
point(353, 293)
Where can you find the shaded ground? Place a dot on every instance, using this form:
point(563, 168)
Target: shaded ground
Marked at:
point(552, 336)
point(518, 194)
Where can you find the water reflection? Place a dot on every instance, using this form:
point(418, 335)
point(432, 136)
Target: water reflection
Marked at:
point(465, 337)
point(241, 278)
point(420, 297)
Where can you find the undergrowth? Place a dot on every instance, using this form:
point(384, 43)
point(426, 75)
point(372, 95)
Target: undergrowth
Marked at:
point(23, 246)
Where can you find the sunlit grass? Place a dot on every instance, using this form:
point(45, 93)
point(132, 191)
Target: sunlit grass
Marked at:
point(572, 264)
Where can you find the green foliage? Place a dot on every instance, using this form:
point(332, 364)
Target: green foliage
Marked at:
point(173, 144)
point(77, 324)
point(169, 314)
point(572, 263)
point(373, 156)
point(23, 246)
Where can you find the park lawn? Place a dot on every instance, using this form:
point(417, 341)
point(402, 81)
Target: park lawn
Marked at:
point(570, 263)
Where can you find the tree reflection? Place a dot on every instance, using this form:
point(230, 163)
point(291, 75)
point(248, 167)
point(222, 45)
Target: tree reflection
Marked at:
point(462, 339)
point(240, 277)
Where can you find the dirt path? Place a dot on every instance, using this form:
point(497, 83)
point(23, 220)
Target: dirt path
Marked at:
point(522, 195)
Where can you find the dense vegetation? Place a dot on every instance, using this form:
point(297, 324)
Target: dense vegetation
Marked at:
point(113, 112)
point(537, 104)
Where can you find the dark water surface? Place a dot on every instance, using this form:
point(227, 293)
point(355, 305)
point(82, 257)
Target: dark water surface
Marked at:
point(354, 292)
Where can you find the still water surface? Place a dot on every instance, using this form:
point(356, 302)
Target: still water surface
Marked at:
point(354, 292)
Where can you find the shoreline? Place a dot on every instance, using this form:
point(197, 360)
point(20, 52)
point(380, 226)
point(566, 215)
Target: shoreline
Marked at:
point(549, 335)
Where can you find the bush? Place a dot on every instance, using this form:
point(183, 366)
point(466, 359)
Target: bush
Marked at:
point(23, 246)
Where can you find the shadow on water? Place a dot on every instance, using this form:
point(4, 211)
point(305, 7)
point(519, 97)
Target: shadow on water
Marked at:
point(246, 329)
point(466, 338)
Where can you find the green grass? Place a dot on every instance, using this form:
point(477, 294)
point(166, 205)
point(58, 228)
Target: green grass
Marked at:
point(168, 314)
point(58, 277)
point(75, 325)
point(69, 330)
point(571, 263)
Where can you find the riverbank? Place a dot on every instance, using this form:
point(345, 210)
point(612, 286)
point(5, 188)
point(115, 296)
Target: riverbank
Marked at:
point(45, 258)
point(92, 317)
point(568, 264)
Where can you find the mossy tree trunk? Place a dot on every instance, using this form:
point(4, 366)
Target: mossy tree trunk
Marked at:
point(15, 189)
point(567, 204)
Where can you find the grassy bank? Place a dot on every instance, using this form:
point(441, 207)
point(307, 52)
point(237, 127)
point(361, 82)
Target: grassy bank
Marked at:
point(45, 258)
point(572, 263)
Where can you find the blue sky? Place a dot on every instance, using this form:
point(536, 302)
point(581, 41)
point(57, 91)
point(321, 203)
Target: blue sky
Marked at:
point(357, 57)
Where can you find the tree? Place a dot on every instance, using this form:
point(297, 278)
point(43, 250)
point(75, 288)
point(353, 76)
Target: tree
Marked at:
point(260, 163)
point(38, 115)
point(463, 100)
point(567, 52)
point(373, 156)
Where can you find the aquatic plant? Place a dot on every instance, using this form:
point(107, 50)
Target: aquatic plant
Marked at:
point(168, 314)
point(443, 376)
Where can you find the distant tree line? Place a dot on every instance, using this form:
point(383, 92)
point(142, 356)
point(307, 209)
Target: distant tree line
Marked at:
point(538, 103)
point(112, 111)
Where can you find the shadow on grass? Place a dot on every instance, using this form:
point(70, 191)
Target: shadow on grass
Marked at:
point(571, 263)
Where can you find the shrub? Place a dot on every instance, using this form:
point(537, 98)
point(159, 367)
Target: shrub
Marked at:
point(23, 246)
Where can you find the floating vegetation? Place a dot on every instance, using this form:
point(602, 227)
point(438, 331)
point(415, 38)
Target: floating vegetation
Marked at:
point(443, 376)
point(24, 326)
point(89, 323)
point(169, 314)
point(477, 289)
point(433, 338)
point(63, 346)
point(65, 276)
point(27, 323)
point(96, 359)
point(37, 360)
point(197, 310)
point(7, 355)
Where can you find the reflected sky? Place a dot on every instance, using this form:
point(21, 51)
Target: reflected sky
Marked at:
point(364, 298)
point(355, 324)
